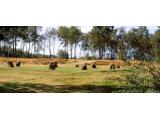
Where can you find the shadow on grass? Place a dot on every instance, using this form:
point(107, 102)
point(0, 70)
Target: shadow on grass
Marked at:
point(43, 88)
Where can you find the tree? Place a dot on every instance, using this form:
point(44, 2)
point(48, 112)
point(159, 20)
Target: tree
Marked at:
point(12, 35)
point(86, 43)
point(31, 40)
point(64, 37)
point(16, 32)
point(74, 38)
point(2, 39)
point(51, 34)
point(62, 54)
point(101, 38)
point(121, 37)
point(155, 41)
point(139, 40)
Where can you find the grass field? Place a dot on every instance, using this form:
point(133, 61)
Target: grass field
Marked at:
point(66, 78)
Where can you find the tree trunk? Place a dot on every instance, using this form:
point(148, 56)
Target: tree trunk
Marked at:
point(13, 48)
point(44, 51)
point(92, 51)
point(49, 47)
point(4, 48)
point(75, 50)
point(65, 47)
point(8, 50)
point(67, 50)
point(29, 48)
point(0, 48)
point(80, 52)
point(53, 47)
point(15, 54)
point(99, 54)
point(21, 45)
point(71, 51)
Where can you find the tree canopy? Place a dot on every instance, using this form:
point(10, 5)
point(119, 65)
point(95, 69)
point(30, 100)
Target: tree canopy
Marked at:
point(102, 42)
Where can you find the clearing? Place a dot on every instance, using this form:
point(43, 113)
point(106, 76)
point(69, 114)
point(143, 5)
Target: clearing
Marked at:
point(66, 78)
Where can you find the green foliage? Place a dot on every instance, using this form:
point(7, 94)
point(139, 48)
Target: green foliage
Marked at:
point(148, 82)
point(50, 37)
point(140, 56)
point(69, 36)
point(155, 41)
point(74, 38)
point(139, 40)
point(101, 37)
point(136, 83)
point(121, 47)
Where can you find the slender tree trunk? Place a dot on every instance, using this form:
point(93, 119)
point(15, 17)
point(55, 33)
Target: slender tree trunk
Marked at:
point(53, 47)
point(75, 50)
point(44, 51)
point(8, 50)
point(71, 50)
point(80, 52)
point(21, 45)
point(99, 54)
point(65, 47)
point(92, 51)
point(0, 48)
point(15, 47)
point(34, 49)
point(4, 48)
point(67, 50)
point(26, 50)
point(29, 48)
point(22, 48)
point(49, 47)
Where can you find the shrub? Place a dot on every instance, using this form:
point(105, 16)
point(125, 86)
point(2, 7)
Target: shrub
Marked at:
point(62, 54)
point(148, 82)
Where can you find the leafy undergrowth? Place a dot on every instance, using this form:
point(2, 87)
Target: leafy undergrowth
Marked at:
point(147, 80)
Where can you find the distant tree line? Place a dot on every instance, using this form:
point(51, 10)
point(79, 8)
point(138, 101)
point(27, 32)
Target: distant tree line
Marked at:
point(102, 42)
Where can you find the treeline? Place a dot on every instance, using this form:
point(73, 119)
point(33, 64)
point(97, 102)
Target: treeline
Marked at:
point(102, 42)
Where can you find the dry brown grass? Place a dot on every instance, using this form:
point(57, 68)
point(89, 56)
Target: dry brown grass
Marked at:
point(109, 62)
point(43, 61)
point(46, 61)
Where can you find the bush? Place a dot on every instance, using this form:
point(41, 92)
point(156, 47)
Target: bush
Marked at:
point(137, 84)
point(142, 56)
point(62, 54)
point(149, 82)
